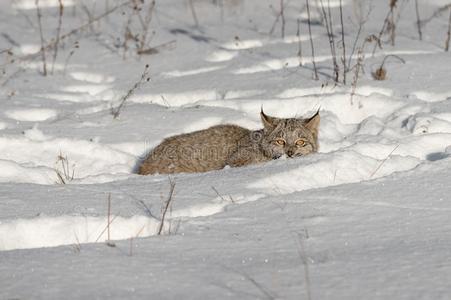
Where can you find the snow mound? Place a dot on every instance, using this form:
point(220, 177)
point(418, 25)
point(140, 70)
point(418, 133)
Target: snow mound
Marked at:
point(31, 114)
point(66, 230)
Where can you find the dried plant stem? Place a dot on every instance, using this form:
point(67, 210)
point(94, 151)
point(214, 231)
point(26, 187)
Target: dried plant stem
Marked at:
point(63, 172)
point(116, 111)
point(354, 46)
point(436, 13)
point(379, 36)
point(382, 163)
point(448, 36)
point(71, 53)
point(391, 55)
point(44, 63)
point(193, 13)
point(360, 63)
point(420, 34)
point(328, 19)
point(298, 35)
point(109, 216)
point(146, 25)
point(58, 33)
point(282, 16)
point(105, 229)
point(72, 32)
point(167, 205)
point(311, 41)
point(392, 22)
point(343, 43)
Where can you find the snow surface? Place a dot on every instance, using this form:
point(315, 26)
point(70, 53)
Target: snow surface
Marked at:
point(365, 218)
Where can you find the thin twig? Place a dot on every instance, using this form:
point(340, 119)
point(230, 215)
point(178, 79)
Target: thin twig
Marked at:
point(392, 21)
point(282, 16)
point(44, 63)
point(380, 165)
point(220, 196)
point(298, 35)
point(360, 63)
point(380, 73)
point(116, 111)
point(167, 205)
point(436, 13)
point(146, 26)
point(73, 31)
point(109, 215)
point(420, 34)
point(379, 36)
point(448, 36)
point(105, 229)
point(193, 13)
point(328, 19)
point(69, 56)
point(58, 32)
point(343, 58)
point(311, 42)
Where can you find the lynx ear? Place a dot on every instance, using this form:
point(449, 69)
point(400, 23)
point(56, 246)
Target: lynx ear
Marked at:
point(268, 122)
point(313, 124)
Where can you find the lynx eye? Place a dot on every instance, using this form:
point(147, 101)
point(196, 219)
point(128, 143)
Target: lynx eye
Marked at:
point(300, 143)
point(280, 142)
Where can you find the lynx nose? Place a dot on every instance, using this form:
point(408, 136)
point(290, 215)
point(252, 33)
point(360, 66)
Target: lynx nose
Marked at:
point(290, 152)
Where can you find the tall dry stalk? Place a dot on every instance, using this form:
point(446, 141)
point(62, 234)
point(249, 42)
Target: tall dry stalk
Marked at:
point(167, 205)
point(109, 217)
point(388, 25)
point(392, 24)
point(358, 67)
point(311, 41)
point(58, 33)
point(343, 43)
point(417, 11)
point(144, 78)
point(327, 16)
point(448, 36)
point(282, 16)
point(298, 35)
point(145, 27)
point(39, 15)
point(193, 13)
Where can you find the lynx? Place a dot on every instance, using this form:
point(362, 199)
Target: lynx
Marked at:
point(218, 146)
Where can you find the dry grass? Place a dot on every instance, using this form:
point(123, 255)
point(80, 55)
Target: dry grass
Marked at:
point(315, 74)
point(222, 197)
point(116, 111)
point(448, 35)
point(381, 72)
point(358, 67)
point(65, 172)
point(383, 162)
point(58, 34)
point(327, 17)
point(343, 43)
point(41, 35)
point(417, 12)
point(166, 206)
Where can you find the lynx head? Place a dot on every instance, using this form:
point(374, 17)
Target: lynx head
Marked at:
point(293, 137)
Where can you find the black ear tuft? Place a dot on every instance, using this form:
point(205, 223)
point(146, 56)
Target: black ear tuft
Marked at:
point(268, 121)
point(313, 123)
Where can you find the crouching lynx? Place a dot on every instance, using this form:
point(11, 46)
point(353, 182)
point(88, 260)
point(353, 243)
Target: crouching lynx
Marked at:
point(218, 146)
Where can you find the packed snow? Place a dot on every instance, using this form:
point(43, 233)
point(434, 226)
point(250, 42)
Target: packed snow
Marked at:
point(367, 217)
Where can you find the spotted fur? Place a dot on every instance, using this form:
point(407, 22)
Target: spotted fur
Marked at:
point(215, 147)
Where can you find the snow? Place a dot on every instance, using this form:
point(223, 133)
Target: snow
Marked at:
point(365, 218)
